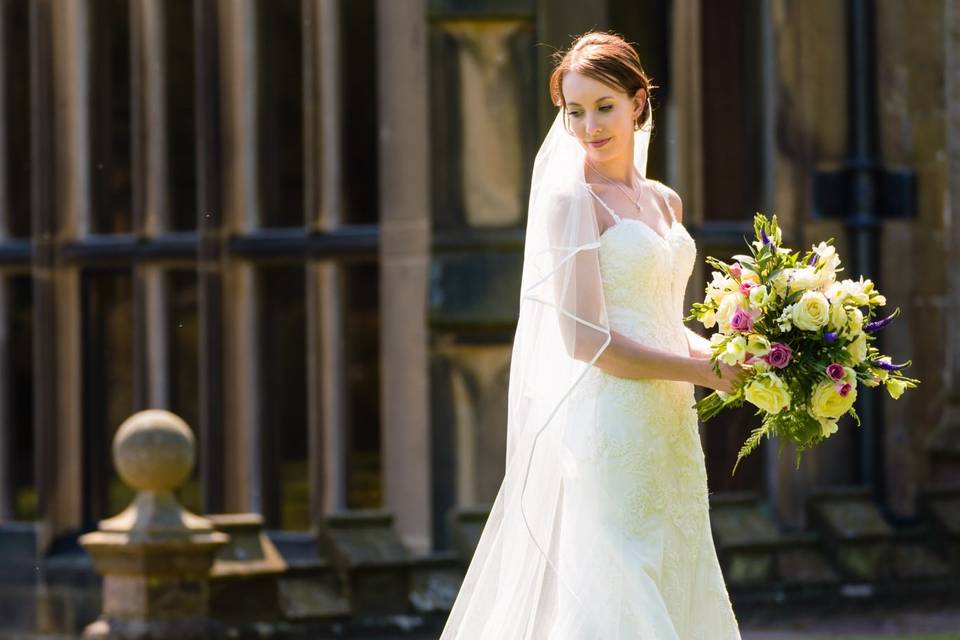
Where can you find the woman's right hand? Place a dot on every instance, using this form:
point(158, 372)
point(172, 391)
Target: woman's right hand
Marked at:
point(730, 376)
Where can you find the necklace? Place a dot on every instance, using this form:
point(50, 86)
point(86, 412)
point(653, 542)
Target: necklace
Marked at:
point(635, 201)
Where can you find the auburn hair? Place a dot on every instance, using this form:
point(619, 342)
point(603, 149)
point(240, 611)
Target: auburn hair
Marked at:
point(607, 58)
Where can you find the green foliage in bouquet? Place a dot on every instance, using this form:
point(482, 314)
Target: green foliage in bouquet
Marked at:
point(803, 337)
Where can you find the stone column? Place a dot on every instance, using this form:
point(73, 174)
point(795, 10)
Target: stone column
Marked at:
point(155, 557)
point(404, 262)
point(944, 442)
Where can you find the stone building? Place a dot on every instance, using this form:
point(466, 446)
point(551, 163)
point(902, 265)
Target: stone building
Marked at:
point(299, 224)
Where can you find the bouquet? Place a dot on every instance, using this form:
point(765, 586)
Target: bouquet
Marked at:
point(803, 337)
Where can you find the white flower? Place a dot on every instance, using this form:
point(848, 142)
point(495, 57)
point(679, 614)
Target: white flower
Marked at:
point(855, 321)
point(858, 348)
point(759, 296)
point(857, 291)
point(728, 306)
point(719, 286)
point(804, 279)
point(811, 312)
point(736, 351)
point(827, 427)
point(758, 345)
point(709, 319)
point(895, 387)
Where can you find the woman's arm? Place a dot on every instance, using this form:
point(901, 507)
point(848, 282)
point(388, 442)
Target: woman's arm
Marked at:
point(626, 358)
point(698, 346)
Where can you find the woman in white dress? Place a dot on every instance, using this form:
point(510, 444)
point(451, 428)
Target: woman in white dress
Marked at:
point(601, 526)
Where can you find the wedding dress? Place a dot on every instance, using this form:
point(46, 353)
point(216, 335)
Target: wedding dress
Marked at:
point(601, 528)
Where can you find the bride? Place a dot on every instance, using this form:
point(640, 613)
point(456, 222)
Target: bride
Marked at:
point(601, 527)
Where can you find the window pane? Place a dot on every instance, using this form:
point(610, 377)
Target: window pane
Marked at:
point(17, 111)
point(107, 386)
point(183, 373)
point(180, 114)
point(280, 101)
point(362, 337)
point(283, 396)
point(110, 116)
point(19, 420)
point(358, 71)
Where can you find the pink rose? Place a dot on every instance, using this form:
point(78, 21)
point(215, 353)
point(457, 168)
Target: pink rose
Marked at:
point(745, 288)
point(843, 388)
point(835, 371)
point(779, 355)
point(741, 321)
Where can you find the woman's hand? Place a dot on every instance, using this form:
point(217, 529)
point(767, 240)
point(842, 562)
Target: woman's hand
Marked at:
point(730, 376)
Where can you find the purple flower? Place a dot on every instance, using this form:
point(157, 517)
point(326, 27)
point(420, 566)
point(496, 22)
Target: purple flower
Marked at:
point(813, 260)
point(741, 321)
point(876, 325)
point(843, 388)
point(835, 371)
point(889, 366)
point(764, 237)
point(779, 355)
point(830, 336)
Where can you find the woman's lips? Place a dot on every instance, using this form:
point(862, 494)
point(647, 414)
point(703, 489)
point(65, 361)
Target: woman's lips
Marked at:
point(598, 143)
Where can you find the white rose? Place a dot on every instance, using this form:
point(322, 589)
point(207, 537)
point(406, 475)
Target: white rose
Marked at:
point(811, 312)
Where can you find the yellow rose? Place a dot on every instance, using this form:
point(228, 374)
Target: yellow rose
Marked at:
point(895, 387)
point(768, 392)
point(858, 348)
point(811, 312)
point(826, 402)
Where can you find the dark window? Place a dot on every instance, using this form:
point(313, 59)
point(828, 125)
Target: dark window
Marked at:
point(107, 308)
point(181, 124)
point(362, 329)
point(19, 418)
point(16, 75)
point(280, 101)
point(184, 367)
point(358, 71)
point(283, 396)
point(110, 117)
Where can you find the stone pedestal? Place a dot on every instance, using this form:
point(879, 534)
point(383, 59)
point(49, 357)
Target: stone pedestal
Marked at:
point(155, 557)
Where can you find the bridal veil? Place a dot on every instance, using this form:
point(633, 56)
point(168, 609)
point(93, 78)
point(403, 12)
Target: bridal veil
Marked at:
point(539, 570)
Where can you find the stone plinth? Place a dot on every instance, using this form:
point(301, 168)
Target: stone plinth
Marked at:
point(855, 532)
point(155, 557)
point(373, 562)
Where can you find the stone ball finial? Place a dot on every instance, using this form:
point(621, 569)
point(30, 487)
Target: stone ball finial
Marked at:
point(154, 450)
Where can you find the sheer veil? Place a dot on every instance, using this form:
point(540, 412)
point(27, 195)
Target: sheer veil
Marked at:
point(541, 568)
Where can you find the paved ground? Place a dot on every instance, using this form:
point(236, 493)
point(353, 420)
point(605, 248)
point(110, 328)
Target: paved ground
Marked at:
point(920, 621)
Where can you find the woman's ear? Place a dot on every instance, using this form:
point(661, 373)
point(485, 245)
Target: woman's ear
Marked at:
point(639, 101)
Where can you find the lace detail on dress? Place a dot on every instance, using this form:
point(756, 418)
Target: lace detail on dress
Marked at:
point(641, 456)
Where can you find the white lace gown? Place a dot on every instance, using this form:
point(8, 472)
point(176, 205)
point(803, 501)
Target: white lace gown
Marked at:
point(640, 468)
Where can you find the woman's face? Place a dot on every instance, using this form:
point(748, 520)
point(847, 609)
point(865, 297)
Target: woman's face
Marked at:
point(600, 116)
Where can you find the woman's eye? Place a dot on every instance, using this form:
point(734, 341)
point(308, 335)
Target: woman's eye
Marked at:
point(606, 107)
point(574, 114)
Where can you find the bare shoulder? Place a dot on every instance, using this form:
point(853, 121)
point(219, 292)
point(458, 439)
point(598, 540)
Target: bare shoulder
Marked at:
point(673, 200)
